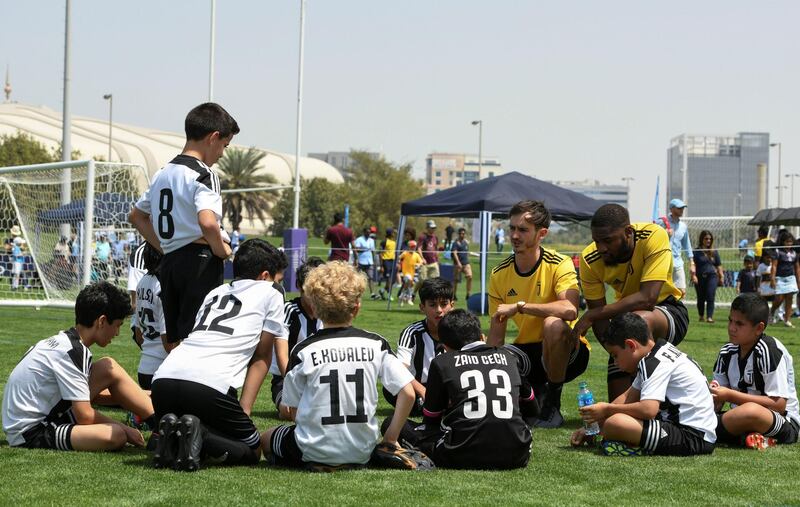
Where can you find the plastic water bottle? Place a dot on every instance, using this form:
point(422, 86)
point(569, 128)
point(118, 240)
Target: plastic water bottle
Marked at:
point(586, 398)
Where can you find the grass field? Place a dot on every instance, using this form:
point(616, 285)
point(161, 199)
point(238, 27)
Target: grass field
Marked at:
point(556, 475)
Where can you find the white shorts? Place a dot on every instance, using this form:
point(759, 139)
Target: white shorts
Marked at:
point(679, 277)
point(17, 269)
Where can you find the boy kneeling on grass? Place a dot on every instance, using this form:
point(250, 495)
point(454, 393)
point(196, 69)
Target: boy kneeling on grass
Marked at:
point(47, 401)
point(755, 374)
point(668, 409)
point(330, 387)
point(195, 388)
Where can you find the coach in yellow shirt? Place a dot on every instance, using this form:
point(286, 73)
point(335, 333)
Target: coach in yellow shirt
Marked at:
point(537, 288)
point(636, 261)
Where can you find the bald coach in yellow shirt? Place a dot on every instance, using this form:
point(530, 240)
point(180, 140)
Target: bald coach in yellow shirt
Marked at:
point(636, 261)
point(537, 288)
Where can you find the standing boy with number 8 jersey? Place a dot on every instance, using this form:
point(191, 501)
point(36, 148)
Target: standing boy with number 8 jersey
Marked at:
point(181, 213)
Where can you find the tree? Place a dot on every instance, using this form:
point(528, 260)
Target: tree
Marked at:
point(377, 188)
point(22, 149)
point(319, 200)
point(239, 169)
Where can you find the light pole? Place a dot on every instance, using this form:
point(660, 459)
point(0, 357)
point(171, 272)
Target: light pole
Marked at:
point(627, 180)
point(780, 189)
point(772, 145)
point(211, 51)
point(110, 98)
point(791, 191)
point(299, 132)
point(479, 123)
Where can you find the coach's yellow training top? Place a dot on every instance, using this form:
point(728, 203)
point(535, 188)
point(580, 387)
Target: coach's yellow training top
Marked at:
point(651, 261)
point(552, 275)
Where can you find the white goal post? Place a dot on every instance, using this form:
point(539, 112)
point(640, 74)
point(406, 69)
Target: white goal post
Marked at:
point(63, 226)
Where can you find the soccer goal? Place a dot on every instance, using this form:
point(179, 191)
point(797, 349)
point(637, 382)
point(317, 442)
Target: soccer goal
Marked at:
point(65, 225)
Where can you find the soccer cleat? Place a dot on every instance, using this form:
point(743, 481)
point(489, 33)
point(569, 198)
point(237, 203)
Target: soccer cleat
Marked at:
point(549, 418)
point(759, 442)
point(617, 448)
point(134, 421)
point(787, 323)
point(167, 445)
point(189, 434)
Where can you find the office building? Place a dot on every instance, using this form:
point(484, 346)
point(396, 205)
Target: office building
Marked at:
point(447, 170)
point(616, 194)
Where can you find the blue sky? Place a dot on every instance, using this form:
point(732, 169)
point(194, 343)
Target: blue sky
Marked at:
point(566, 90)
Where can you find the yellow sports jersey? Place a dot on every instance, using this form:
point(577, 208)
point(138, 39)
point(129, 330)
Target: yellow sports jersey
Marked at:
point(552, 275)
point(388, 252)
point(651, 261)
point(409, 260)
point(758, 249)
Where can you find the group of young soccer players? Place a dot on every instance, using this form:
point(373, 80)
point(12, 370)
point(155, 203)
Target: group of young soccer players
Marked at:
point(207, 347)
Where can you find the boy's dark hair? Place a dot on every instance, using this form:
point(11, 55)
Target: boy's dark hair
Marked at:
point(255, 256)
point(754, 308)
point(763, 230)
point(434, 289)
point(461, 229)
point(151, 258)
point(610, 215)
point(748, 258)
point(208, 118)
point(101, 298)
point(540, 215)
point(626, 326)
point(458, 328)
point(302, 271)
point(337, 217)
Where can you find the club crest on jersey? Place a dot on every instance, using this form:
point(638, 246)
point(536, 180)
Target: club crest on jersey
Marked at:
point(748, 376)
point(511, 293)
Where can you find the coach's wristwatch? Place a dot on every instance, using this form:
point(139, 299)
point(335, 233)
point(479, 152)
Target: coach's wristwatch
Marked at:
point(520, 306)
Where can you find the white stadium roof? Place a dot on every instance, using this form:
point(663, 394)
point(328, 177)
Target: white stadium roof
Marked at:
point(149, 148)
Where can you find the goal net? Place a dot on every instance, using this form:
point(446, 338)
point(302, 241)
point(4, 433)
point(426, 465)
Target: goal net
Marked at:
point(65, 225)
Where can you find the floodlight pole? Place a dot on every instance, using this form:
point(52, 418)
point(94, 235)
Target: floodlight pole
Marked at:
point(779, 171)
point(66, 120)
point(110, 98)
point(211, 51)
point(479, 123)
point(296, 217)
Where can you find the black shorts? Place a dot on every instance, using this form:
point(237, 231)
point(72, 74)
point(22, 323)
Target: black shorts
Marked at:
point(187, 275)
point(53, 434)
point(145, 381)
point(387, 269)
point(219, 412)
point(677, 325)
point(669, 439)
point(780, 422)
point(285, 451)
point(277, 389)
point(578, 361)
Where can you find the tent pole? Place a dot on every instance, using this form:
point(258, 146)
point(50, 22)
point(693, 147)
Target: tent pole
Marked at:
point(397, 244)
point(486, 220)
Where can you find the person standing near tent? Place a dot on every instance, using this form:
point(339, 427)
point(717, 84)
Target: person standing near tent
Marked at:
point(428, 248)
point(341, 239)
point(537, 288)
point(679, 242)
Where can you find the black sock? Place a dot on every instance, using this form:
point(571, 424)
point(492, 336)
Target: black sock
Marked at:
point(554, 394)
point(780, 430)
point(226, 451)
point(152, 423)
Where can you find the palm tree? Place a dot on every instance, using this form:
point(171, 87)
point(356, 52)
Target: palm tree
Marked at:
point(238, 168)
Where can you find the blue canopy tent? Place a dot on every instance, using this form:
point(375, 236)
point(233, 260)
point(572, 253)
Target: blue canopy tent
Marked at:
point(494, 197)
point(110, 208)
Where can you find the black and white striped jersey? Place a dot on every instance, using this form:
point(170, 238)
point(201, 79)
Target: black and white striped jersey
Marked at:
point(177, 193)
point(332, 381)
point(672, 378)
point(300, 326)
point(766, 370)
point(226, 333)
point(149, 318)
point(43, 385)
point(136, 268)
point(417, 348)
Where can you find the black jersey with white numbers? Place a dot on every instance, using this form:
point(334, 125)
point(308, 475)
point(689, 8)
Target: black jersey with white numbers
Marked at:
point(474, 394)
point(767, 370)
point(672, 378)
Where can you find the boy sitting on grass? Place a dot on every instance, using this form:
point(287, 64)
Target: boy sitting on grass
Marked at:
point(331, 383)
point(47, 401)
point(668, 409)
point(476, 398)
point(755, 374)
point(230, 348)
point(419, 341)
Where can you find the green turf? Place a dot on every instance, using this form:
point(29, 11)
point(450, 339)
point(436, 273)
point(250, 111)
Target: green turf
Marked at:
point(556, 475)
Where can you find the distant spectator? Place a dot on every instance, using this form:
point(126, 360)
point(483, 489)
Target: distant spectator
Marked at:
point(763, 235)
point(365, 252)
point(746, 280)
point(18, 261)
point(102, 254)
point(409, 235)
point(460, 249)
point(119, 255)
point(709, 274)
point(764, 276)
point(340, 238)
point(499, 238)
point(679, 242)
point(235, 238)
point(448, 236)
point(388, 246)
point(428, 248)
point(784, 276)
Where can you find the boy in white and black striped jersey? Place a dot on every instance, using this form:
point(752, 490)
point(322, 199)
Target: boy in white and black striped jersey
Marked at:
point(301, 323)
point(47, 401)
point(419, 341)
point(668, 409)
point(755, 374)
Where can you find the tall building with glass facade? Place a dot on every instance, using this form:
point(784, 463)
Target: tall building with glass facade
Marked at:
point(717, 175)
